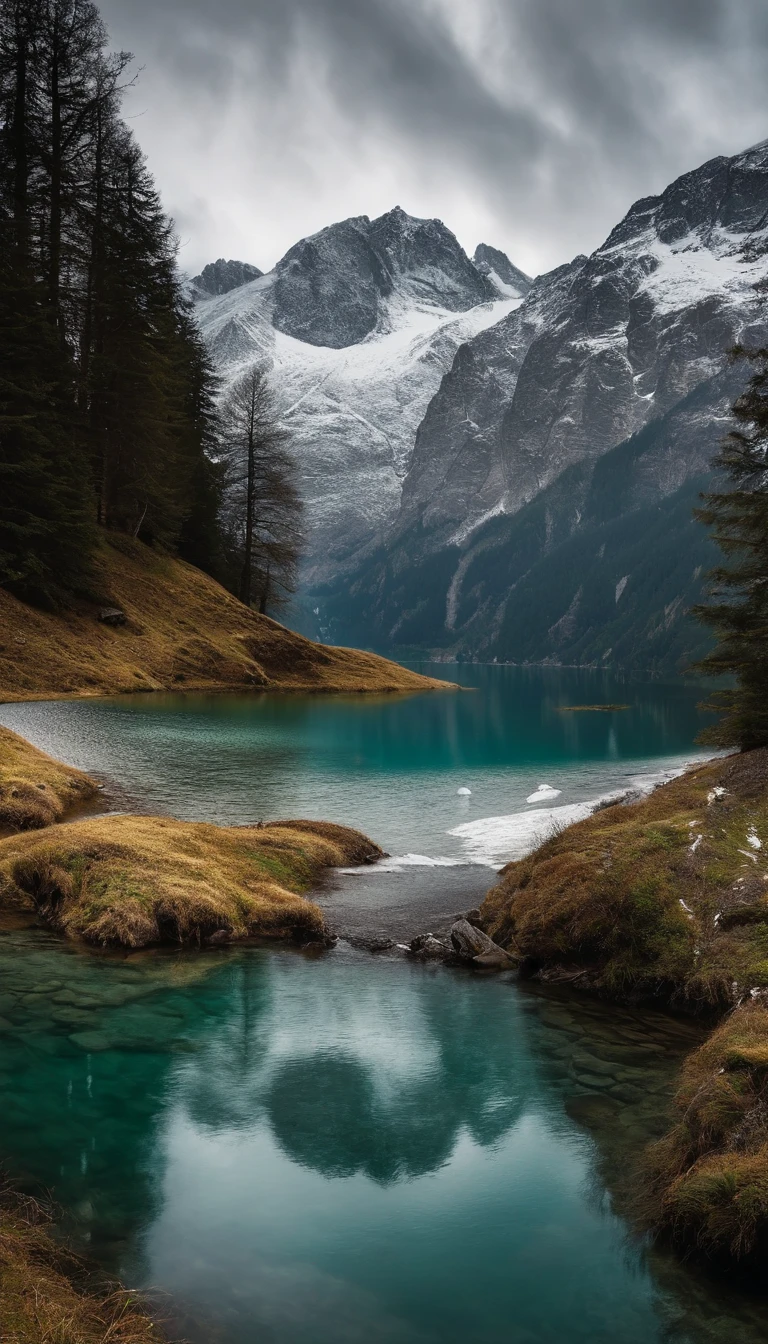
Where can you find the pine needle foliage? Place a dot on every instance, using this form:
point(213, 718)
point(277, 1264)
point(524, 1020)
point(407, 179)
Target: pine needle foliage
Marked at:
point(738, 606)
point(46, 527)
point(106, 394)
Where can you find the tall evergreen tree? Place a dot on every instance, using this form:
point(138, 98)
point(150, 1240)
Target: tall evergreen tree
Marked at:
point(45, 504)
point(106, 396)
point(201, 539)
point(738, 610)
point(46, 532)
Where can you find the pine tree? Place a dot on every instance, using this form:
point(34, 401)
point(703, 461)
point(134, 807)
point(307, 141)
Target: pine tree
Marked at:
point(107, 396)
point(78, 83)
point(46, 536)
point(738, 611)
point(200, 540)
point(263, 509)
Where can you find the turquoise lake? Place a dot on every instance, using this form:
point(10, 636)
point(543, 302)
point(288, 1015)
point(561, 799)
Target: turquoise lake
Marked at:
point(342, 1148)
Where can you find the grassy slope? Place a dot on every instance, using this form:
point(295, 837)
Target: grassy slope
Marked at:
point(625, 900)
point(708, 1183)
point(184, 632)
point(36, 790)
point(632, 902)
point(139, 881)
point(44, 1297)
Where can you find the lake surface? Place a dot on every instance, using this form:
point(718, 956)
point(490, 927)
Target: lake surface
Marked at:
point(390, 766)
point(342, 1148)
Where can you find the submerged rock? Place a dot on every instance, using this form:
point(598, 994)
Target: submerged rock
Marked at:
point(472, 945)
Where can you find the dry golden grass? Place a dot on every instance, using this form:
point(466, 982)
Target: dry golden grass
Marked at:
point(627, 902)
point(140, 881)
point(36, 790)
point(184, 632)
point(44, 1290)
point(708, 1178)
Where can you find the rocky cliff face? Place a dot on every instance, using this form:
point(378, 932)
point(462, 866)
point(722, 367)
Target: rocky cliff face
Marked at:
point(569, 438)
point(332, 289)
point(220, 277)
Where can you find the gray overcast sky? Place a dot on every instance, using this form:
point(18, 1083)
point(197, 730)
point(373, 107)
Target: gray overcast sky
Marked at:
point(528, 124)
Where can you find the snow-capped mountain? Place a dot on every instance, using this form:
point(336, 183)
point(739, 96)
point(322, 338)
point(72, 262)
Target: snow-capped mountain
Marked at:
point(505, 278)
point(358, 324)
point(596, 404)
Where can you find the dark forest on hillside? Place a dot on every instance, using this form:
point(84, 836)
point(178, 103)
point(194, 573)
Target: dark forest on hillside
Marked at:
point(108, 412)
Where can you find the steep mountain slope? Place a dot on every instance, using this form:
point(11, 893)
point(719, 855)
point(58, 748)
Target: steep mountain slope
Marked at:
point(358, 325)
point(559, 459)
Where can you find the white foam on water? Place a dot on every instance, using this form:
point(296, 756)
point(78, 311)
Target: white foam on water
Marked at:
point(543, 794)
point(493, 841)
point(403, 861)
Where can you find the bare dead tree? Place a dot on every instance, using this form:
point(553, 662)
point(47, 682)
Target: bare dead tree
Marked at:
point(263, 508)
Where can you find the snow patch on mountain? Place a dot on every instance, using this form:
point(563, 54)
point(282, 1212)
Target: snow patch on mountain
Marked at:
point(689, 271)
point(353, 409)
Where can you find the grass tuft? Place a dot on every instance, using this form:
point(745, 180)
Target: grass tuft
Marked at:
point(35, 790)
point(669, 897)
point(47, 1295)
point(140, 881)
point(633, 897)
point(708, 1177)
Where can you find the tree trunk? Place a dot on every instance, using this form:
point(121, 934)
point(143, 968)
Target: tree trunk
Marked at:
point(19, 141)
point(246, 581)
point(264, 597)
point(56, 171)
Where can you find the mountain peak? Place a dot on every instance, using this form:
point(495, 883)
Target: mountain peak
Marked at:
point(220, 277)
point(722, 200)
point(332, 288)
point(506, 278)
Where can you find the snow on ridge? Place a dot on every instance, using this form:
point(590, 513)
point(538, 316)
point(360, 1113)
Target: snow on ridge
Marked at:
point(353, 412)
point(506, 290)
point(692, 269)
point(689, 272)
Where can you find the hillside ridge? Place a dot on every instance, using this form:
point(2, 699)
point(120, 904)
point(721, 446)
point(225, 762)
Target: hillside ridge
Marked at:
point(179, 630)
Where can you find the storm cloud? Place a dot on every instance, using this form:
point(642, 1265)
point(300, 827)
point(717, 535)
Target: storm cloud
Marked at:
point(528, 124)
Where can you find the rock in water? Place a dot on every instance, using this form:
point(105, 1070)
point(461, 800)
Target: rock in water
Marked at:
point(472, 945)
point(428, 948)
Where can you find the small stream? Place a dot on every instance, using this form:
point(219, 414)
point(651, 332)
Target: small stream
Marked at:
point(341, 1148)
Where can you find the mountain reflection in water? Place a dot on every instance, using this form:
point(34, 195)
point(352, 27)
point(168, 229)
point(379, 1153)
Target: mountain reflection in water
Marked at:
point(310, 1150)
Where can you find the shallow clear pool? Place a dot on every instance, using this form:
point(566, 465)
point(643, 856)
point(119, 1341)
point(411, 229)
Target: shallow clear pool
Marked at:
point(344, 1148)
